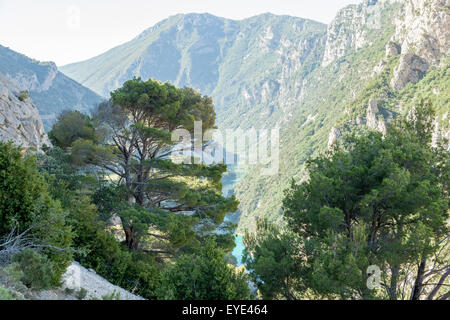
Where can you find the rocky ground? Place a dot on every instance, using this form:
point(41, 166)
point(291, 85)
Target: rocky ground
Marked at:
point(81, 283)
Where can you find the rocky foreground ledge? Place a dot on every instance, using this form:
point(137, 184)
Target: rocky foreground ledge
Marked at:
point(77, 278)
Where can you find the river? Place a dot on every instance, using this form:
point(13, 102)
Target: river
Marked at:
point(229, 180)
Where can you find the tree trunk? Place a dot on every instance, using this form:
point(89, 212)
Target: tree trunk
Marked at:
point(131, 239)
point(415, 295)
point(128, 184)
point(439, 285)
point(392, 290)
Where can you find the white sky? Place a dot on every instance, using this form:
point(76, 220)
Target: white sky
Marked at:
point(52, 30)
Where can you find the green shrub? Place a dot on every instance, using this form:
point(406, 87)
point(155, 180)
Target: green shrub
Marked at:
point(113, 296)
point(81, 294)
point(37, 269)
point(11, 288)
point(25, 202)
point(24, 95)
point(5, 294)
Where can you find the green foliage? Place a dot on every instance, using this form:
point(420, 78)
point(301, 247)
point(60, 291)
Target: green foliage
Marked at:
point(26, 204)
point(11, 288)
point(71, 126)
point(20, 188)
point(372, 201)
point(81, 294)
point(434, 88)
point(204, 275)
point(36, 269)
point(137, 124)
point(24, 95)
point(5, 294)
point(272, 257)
point(112, 296)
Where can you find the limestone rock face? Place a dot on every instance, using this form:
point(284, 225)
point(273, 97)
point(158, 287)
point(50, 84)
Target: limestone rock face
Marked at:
point(349, 30)
point(392, 49)
point(335, 134)
point(423, 32)
point(411, 69)
point(372, 117)
point(424, 29)
point(31, 81)
point(50, 90)
point(422, 35)
point(19, 118)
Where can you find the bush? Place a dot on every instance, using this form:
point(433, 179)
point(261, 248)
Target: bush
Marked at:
point(81, 294)
point(25, 203)
point(37, 269)
point(113, 296)
point(24, 95)
point(5, 294)
point(11, 288)
point(204, 275)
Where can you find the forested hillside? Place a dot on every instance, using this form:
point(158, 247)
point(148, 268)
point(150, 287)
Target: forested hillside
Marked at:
point(359, 87)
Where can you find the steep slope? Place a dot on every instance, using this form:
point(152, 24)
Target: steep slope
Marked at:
point(381, 58)
point(19, 118)
point(375, 60)
point(252, 68)
point(50, 90)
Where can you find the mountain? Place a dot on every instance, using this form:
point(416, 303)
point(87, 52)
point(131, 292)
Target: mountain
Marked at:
point(381, 58)
point(252, 68)
point(50, 90)
point(315, 82)
point(19, 118)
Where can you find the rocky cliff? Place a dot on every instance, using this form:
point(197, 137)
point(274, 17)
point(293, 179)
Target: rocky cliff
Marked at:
point(50, 90)
point(423, 37)
point(381, 58)
point(350, 29)
point(19, 118)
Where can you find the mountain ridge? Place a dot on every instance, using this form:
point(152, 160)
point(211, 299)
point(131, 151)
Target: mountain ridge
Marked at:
point(211, 57)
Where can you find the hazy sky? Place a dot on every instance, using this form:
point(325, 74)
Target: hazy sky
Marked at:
point(67, 31)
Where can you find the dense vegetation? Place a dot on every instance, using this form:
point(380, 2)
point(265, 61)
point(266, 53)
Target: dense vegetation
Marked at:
point(373, 204)
point(113, 166)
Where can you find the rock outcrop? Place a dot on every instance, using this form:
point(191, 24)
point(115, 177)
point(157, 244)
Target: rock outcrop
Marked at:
point(31, 81)
point(412, 68)
point(77, 277)
point(349, 30)
point(334, 137)
point(423, 35)
point(374, 120)
point(19, 119)
point(50, 90)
